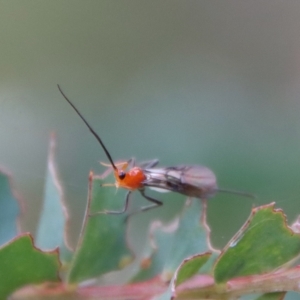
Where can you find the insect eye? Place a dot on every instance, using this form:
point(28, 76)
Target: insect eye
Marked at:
point(122, 175)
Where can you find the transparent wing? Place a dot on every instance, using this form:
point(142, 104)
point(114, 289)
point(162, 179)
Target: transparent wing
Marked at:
point(191, 180)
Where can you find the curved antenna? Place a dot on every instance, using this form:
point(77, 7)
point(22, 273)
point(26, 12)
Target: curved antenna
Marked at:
point(90, 128)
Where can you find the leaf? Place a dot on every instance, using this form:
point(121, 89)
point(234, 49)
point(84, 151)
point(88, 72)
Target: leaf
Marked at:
point(171, 244)
point(102, 245)
point(51, 230)
point(9, 211)
point(272, 296)
point(21, 264)
point(263, 244)
point(190, 267)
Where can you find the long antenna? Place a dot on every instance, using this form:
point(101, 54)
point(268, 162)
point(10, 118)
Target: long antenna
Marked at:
point(90, 128)
point(234, 192)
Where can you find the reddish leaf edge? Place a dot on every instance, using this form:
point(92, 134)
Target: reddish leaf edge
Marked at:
point(30, 239)
point(29, 235)
point(248, 221)
point(52, 167)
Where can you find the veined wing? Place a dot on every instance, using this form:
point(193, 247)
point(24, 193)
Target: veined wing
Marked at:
point(191, 180)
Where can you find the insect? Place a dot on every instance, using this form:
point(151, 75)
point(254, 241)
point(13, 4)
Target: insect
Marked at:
point(189, 180)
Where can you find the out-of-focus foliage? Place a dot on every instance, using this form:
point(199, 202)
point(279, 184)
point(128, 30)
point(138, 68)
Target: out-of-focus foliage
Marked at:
point(178, 260)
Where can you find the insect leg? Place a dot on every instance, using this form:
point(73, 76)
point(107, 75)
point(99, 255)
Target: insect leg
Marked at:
point(149, 164)
point(131, 162)
point(145, 208)
point(114, 212)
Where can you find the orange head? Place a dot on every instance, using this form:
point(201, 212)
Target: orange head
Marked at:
point(131, 179)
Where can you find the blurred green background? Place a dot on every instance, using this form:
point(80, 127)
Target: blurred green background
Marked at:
point(199, 82)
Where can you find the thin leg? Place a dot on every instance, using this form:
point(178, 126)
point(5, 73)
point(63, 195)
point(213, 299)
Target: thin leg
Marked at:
point(149, 164)
point(148, 207)
point(155, 201)
point(131, 162)
point(114, 212)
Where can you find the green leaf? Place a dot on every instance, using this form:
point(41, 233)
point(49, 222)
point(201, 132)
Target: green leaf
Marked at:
point(51, 230)
point(21, 264)
point(190, 267)
point(171, 244)
point(102, 245)
point(272, 296)
point(9, 210)
point(199, 263)
point(263, 244)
